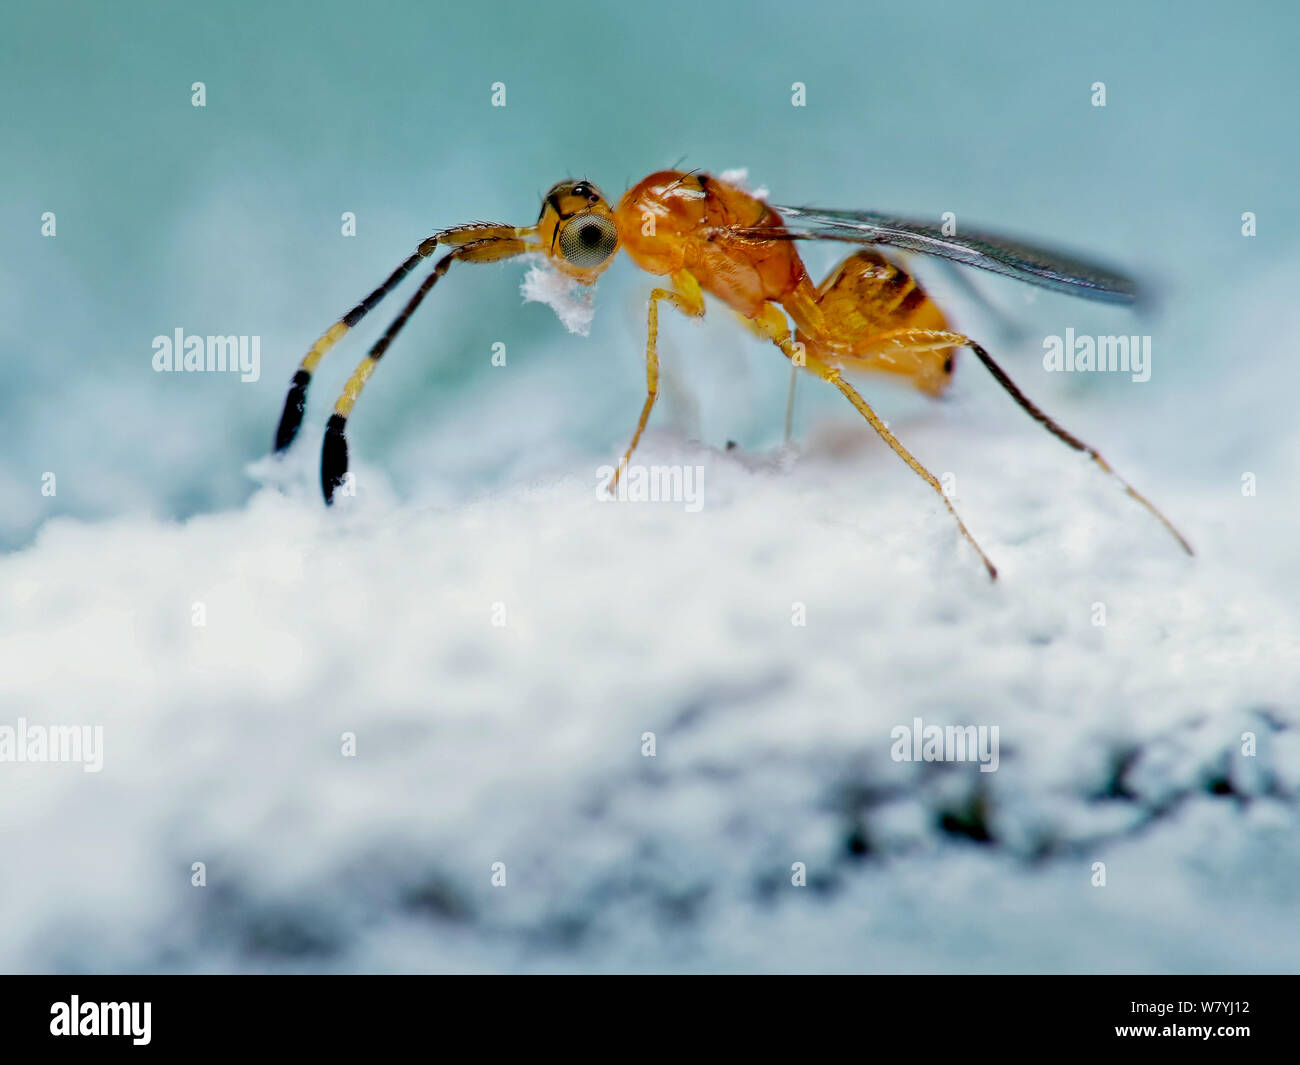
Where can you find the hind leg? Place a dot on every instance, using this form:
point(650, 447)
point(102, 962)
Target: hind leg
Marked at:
point(816, 361)
point(900, 344)
point(868, 314)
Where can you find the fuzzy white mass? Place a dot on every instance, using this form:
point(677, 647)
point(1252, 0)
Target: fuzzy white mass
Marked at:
point(573, 303)
point(500, 663)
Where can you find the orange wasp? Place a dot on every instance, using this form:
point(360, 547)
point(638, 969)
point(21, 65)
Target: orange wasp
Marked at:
point(706, 235)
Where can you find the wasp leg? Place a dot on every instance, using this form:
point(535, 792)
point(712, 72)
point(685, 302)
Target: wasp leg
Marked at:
point(928, 340)
point(759, 332)
point(686, 296)
point(334, 451)
point(778, 330)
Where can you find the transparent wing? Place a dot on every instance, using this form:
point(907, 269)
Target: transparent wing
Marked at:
point(984, 251)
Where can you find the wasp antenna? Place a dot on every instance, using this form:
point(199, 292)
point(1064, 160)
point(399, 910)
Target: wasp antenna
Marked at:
point(296, 401)
point(486, 243)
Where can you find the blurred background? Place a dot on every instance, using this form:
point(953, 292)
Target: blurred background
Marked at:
point(226, 219)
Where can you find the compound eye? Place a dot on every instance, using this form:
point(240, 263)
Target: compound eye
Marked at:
point(588, 240)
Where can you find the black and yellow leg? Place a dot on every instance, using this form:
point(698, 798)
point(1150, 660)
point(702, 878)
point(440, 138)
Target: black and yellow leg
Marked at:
point(295, 402)
point(686, 296)
point(334, 451)
point(774, 323)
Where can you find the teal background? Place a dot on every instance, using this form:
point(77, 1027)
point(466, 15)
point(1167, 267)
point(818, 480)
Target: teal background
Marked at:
point(225, 219)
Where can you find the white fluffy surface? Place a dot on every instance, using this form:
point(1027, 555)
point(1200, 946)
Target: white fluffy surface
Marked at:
point(573, 303)
point(521, 743)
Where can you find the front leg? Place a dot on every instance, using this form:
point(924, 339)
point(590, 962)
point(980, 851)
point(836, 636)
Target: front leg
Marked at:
point(686, 296)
